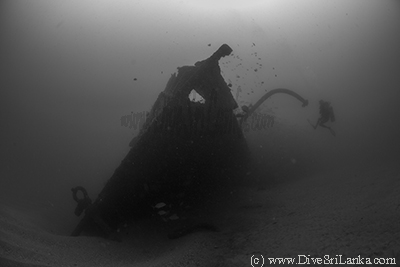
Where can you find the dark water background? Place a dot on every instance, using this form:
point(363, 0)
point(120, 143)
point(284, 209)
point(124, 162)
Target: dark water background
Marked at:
point(71, 69)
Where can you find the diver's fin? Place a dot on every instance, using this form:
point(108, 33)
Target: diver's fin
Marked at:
point(311, 124)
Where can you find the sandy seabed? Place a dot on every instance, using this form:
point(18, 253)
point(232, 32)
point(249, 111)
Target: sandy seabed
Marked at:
point(352, 212)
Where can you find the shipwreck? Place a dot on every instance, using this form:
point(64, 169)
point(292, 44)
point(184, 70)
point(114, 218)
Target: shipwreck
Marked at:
point(184, 154)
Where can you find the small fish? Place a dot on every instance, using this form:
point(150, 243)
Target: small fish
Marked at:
point(162, 212)
point(174, 217)
point(160, 205)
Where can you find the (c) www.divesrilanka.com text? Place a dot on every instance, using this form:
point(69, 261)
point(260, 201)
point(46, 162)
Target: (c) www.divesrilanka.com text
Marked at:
point(259, 260)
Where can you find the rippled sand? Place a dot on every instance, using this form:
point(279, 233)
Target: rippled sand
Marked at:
point(350, 212)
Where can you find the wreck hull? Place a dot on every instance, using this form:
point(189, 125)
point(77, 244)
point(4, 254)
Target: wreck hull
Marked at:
point(174, 169)
point(185, 153)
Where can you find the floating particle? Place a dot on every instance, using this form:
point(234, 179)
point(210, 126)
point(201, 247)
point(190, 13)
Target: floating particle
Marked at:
point(135, 79)
point(276, 75)
point(273, 68)
point(255, 70)
point(209, 44)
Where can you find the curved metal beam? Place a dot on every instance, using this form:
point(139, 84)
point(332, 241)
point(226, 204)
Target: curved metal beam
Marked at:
point(272, 92)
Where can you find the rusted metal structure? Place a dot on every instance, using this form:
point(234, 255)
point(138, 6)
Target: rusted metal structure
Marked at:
point(184, 151)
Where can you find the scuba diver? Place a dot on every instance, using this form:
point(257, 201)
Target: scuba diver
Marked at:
point(326, 112)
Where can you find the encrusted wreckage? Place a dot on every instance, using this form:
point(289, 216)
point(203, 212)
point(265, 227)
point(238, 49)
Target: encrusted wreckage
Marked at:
point(184, 152)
